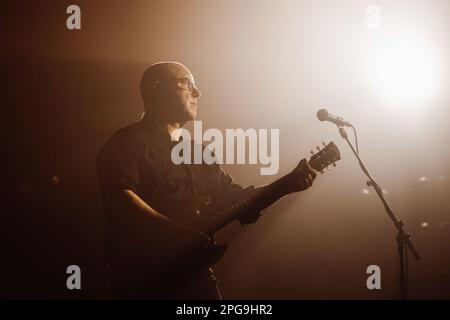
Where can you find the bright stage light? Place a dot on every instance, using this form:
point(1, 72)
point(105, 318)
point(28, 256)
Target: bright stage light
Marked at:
point(404, 73)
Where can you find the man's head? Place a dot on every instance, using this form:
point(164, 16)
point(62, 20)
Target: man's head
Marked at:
point(169, 92)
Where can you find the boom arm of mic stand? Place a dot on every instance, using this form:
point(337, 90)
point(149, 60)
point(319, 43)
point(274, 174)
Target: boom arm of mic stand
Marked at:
point(405, 237)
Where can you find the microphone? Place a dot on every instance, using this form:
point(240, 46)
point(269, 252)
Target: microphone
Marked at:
point(323, 115)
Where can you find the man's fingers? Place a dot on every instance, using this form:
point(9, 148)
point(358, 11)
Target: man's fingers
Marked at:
point(308, 179)
point(302, 164)
point(304, 175)
point(202, 237)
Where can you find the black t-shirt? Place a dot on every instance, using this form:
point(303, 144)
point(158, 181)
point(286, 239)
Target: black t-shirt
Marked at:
point(138, 158)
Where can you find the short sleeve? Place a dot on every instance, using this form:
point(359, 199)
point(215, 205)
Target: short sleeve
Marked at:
point(118, 163)
point(227, 186)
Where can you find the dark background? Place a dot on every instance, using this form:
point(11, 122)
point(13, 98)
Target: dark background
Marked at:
point(260, 64)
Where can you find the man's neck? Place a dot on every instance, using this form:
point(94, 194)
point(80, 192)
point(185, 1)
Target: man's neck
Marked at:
point(170, 126)
point(171, 129)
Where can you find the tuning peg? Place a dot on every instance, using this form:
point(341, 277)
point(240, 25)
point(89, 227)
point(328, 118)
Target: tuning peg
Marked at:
point(317, 147)
point(323, 143)
point(312, 152)
point(334, 164)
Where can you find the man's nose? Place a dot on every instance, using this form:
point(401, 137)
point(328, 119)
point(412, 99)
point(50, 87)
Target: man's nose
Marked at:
point(196, 93)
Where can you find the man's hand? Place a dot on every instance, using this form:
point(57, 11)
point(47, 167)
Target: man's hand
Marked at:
point(191, 235)
point(301, 178)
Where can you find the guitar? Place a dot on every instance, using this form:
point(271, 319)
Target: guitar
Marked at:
point(195, 256)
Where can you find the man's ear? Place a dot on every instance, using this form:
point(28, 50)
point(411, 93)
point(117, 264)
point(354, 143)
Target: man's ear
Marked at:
point(153, 97)
point(158, 94)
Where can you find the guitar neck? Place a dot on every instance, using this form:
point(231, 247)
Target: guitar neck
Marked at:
point(261, 198)
point(256, 199)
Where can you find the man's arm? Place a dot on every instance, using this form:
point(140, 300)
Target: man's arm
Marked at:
point(130, 202)
point(301, 178)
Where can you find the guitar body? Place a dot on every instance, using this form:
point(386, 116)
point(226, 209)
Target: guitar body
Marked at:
point(177, 261)
point(198, 255)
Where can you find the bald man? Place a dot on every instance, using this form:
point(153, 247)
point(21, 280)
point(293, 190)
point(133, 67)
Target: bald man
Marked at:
point(145, 195)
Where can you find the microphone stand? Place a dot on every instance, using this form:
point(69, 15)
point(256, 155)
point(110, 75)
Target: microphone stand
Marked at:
point(403, 238)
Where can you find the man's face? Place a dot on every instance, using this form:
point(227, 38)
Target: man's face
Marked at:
point(180, 94)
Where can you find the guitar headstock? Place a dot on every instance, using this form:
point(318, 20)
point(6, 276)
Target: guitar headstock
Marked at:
point(325, 157)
